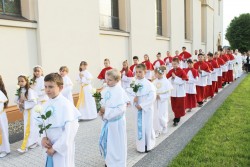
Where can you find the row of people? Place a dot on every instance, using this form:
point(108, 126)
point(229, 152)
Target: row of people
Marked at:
point(143, 101)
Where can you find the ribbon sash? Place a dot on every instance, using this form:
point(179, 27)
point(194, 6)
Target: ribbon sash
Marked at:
point(1, 133)
point(49, 161)
point(139, 124)
point(81, 99)
point(27, 132)
point(104, 136)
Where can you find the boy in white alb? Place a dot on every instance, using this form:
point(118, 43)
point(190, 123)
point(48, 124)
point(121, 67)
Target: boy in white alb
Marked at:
point(60, 140)
point(144, 104)
point(113, 138)
point(67, 84)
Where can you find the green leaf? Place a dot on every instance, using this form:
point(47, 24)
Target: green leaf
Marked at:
point(43, 117)
point(40, 126)
point(48, 126)
point(48, 114)
point(41, 131)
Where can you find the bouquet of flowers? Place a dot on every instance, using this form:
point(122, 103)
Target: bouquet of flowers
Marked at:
point(43, 127)
point(18, 91)
point(32, 81)
point(135, 87)
point(98, 97)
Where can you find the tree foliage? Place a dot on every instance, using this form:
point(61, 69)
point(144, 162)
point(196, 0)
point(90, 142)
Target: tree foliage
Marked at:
point(238, 33)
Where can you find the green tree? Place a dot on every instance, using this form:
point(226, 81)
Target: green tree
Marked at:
point(238, 33)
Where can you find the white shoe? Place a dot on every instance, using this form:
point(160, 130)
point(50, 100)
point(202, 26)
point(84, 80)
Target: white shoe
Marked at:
point(20, 151)
point(33, 146)
point(3, 154)
point(157, 134)
point(164, 131)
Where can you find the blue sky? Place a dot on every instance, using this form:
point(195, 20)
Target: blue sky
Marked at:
point(232, 8)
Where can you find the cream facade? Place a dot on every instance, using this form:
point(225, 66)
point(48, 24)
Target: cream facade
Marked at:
point(62, 32)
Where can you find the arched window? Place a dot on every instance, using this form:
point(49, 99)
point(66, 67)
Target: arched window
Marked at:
point(10, 7)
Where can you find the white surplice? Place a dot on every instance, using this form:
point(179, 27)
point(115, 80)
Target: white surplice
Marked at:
point(163, 89)
point(203, 78)
point(67, 88)
point(39, 88)
point(238, 65)
point(87, 107)
point(64, 120)
point(179, 89)
point(191, 83)
point(5, 146)
point(115, 102)
point(146, 98)
point(29, 104)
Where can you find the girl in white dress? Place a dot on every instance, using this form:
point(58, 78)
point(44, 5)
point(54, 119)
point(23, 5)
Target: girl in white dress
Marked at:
point(4, 132)
point(26, 99)
point(86, 102)
point(37, 84)
point(67, 84)
point(163, 92)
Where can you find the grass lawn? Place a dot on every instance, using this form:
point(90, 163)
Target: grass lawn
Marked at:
point(224, 141)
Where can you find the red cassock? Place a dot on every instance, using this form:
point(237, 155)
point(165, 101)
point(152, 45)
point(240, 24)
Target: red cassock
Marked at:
point(132, 67)
point(185, 55)
point(230, 72)
point(149, 65)
point(179, 57)
point(209, 91)
point(128, 72)
point(225, 74)
point(168, 58)
point(178, 103)
point(191, 100)
point(160, 61)
point(103, 72)
point(201, 89)
point(220, 62)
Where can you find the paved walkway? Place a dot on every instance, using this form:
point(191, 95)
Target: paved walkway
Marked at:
point(87, 152)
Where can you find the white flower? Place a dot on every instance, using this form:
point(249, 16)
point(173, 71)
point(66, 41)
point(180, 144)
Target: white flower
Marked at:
point(17, 87)
point(38, 108)
point(93, 91)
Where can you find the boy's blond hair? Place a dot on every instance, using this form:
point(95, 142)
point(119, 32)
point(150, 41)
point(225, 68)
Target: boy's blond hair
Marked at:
point(114, 73)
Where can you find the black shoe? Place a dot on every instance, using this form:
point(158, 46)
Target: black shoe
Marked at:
point(105, 165)
point(175, 123)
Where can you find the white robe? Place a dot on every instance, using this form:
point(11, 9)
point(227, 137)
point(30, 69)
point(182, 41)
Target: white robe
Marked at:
point(67, 88)
point(87, 108)
point(29, 104)
point(39, 88)
point(147, 97)
point(64, 120)
point(126, 81)
point(202, 81)
point(163, 89)
point(115, 101)
point(149, 75)
point(179, 89)
point(169, 65)
point(238, 65)
point(5, 146)
point(191, 83)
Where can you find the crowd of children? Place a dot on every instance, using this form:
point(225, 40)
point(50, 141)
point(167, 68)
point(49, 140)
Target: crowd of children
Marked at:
point(145, 87)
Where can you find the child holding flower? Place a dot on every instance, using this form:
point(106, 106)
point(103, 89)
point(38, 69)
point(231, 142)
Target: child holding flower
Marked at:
point(144, 103)
point(86, 102)
point(26, 99)
point(58, 139)
point(113, 138)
